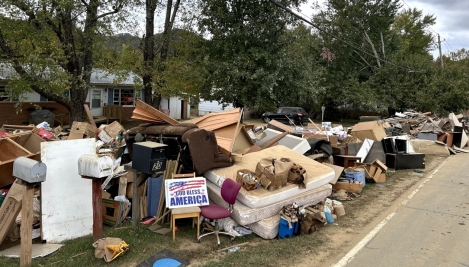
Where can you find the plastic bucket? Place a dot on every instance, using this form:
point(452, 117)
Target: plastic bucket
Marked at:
point(356, 175)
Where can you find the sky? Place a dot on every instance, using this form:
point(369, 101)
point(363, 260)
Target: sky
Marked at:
point(451, 21)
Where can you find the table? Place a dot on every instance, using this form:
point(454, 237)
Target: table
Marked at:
point(346, 160)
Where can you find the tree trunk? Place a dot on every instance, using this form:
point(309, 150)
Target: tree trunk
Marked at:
point(149, 51)
point(168, 25)
point(76, 111)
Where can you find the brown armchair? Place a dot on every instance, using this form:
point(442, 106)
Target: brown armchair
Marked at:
point(203, 148)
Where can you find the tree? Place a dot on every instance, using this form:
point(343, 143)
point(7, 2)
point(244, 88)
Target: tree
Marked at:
point(453, 82)
point(166, 70)
point(410, 25)
point(357, 34)
point(300, 71)
point(51, 45)
point(246, 50)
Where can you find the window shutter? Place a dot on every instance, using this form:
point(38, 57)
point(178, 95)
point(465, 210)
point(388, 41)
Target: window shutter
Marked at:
point(110, 96)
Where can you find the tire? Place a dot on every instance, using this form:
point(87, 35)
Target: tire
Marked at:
point(266, 119)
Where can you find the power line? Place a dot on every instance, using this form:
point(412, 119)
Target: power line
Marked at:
point(447, 43)
point(338, 38)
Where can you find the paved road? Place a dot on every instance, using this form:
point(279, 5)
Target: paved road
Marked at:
point(431, 229)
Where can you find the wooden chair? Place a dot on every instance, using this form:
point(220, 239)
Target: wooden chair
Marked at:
point(186, 212)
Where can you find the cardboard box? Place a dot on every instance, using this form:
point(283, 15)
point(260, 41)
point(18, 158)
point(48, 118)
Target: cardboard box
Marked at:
point(375, 171)
point(106, 195)
point(80, 130)
point(337, 171)
point(29, 140)
point(380, 164)
point(114, 129)
point(372, 130)
point(20, 128)
point(355, 187)
point(105, 137)
point(10, 209)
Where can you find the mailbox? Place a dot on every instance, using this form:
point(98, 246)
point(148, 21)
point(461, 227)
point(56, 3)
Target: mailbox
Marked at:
point(29, 170)
point(149, 157)
point(92, 165)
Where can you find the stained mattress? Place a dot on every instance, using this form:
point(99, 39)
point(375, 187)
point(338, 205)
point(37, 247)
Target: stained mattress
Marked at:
point(267, 228)
point(244, 215)
point(317, 175)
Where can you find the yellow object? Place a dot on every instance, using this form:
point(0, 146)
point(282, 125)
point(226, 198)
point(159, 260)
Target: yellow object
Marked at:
point(118, 250)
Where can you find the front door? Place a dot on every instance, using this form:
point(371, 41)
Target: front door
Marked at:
point(96, 102)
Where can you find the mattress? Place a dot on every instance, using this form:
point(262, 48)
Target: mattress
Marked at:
point(244, 215)
point(317, 175)
point(267, 228)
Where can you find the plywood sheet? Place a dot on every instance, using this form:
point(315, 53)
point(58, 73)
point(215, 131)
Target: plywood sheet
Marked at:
point(66, 207)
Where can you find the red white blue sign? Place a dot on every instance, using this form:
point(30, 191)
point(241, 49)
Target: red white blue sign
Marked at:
point(186, 192)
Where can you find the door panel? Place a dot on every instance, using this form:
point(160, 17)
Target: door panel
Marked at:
point(96, 102)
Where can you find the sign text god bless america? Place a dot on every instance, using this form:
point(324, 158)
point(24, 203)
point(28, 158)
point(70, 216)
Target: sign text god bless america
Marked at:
point(186, 192)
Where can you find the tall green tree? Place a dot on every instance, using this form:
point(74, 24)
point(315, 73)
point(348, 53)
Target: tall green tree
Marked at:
point(52, 45)
point(412, 29)
point(407, 83)
point(452, 82)
point(300, 73)
point(357, 37)
point(168, 63)
point(246, 50)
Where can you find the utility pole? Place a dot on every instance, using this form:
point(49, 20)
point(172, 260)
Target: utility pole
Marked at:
point(439, 48)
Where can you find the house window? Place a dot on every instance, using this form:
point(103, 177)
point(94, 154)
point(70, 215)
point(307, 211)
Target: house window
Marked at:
point(4, 94)
point(125, 97)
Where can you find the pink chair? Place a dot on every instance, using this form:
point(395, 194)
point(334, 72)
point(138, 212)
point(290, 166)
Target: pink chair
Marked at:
point(229, 191)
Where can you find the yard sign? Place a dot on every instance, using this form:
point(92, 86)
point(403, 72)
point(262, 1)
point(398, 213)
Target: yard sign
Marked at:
point(186, 192)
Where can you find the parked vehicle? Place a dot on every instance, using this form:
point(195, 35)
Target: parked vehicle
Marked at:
point(290, 115)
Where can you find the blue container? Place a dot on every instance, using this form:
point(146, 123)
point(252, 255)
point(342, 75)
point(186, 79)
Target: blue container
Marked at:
point(284, 231)
point(358, 176)
point(155, 185)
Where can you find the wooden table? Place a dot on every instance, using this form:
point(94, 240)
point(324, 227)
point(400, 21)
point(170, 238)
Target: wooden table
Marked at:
point(346, 160)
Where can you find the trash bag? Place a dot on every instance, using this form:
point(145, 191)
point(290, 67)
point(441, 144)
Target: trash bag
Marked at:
point(42, 115)
point(229, 226)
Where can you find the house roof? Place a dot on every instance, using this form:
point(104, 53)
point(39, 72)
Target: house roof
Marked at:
point(98, 76)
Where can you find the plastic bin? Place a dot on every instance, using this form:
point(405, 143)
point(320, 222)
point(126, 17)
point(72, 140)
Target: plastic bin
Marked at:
point(284, 231)
point(356, 175)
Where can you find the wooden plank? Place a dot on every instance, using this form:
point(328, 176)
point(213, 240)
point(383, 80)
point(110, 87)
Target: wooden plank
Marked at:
point(97, 209)
point(10, 209)
point(156, 115)
point(26, 225)
point(88, 114)
point(136, 196)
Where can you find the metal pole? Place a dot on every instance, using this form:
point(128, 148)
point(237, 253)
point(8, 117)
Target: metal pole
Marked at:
point(439, 48)
point(322, 109)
